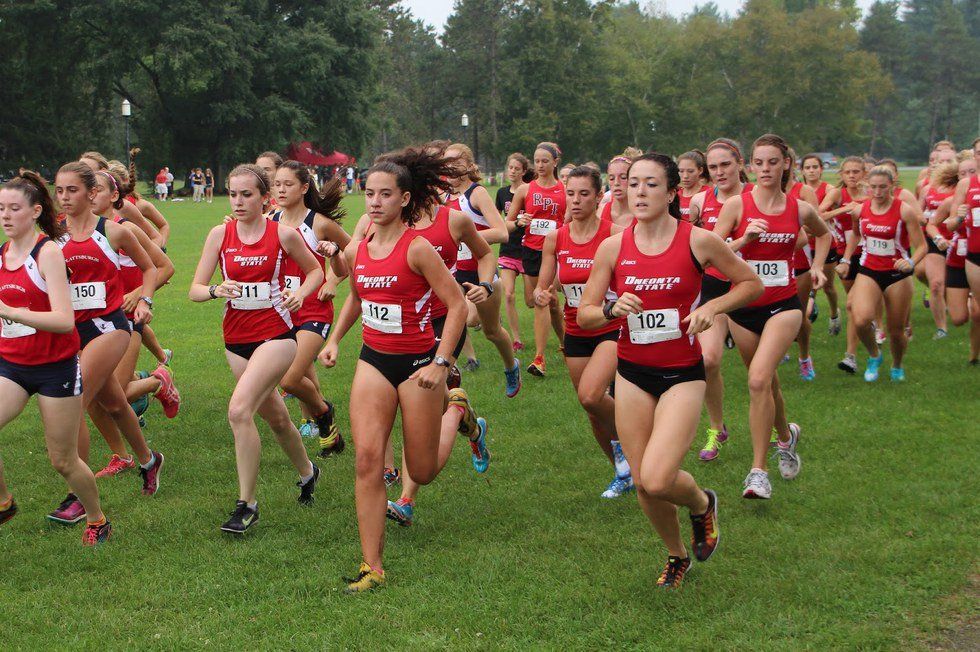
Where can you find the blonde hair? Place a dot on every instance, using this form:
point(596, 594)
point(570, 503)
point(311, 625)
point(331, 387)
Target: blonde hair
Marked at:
point(97, 157)
point(945, 175)
point(466, 156)
point(883, 170)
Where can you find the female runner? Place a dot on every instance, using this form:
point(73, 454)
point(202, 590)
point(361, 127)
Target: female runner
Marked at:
point(802, 260)
point(473, 200)
point(616, 210)
point(258, 329)
point(509, 257)
point(940, 186)
point(395, 273)
point(656, 267)
point(887, 226)
point(96, 162)
point(726, 167)
point(39, 343)
point(91, 248)
point(590, 355)
point(836, 209)
point(270, 161)
point(540, 208)
point(694, 179)
point(812, 167)
point(968, 194)
point(315, 215)
point(764, 225)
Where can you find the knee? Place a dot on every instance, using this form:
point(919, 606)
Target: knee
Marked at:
point(590, 399)
point(292, 382)
point(239, 413)
point(369, 464)
point(423, 473)
point(760, 384)
point(896, 330)
point(656, 486)
point(62, 463)
point(937, 287)
point(958, 319)
point(509, 295)
point(712, 361)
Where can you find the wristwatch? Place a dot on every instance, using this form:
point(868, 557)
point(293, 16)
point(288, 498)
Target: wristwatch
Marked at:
point(442, 362)
point(488, 287)
point(148, 301)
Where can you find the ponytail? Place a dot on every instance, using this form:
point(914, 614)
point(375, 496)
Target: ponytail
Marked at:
point(132, 172)
point(326, 201)
point(35, 190)
point(422, 172)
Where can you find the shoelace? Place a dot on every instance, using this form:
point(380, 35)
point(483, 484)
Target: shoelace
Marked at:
point(91, 534)
point(755, 478)
point(66, 502)
point(673, 571)
point(712, 439)
point(619, 485)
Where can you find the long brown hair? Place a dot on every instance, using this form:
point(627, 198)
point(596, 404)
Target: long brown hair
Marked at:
point(327, 200)
point(422, 172)
point(35, 190)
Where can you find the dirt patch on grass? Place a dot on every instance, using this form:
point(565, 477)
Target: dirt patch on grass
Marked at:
point(962, 628)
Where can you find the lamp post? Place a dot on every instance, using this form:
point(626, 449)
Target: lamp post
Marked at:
point(127, 111)
point(465, 122)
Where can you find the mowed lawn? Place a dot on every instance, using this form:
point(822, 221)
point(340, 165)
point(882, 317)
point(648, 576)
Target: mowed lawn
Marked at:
point(872, 546)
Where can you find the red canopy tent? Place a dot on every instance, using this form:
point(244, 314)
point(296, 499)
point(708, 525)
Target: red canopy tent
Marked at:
point(305, 152)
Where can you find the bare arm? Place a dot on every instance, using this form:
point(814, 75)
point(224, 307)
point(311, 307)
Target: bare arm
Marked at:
point(61, 317)
point(711, 250)
point(590, 308)
point(549, 266)
point(292, 243)
point(200, 286)
point(150, 212)
point(120, 237)
point(483, 203)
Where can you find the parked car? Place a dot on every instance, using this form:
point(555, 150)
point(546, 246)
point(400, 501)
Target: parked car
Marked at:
point(829, 160)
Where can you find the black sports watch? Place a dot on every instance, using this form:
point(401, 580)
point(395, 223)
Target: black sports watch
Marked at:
point(442, 362)
point(488, 287)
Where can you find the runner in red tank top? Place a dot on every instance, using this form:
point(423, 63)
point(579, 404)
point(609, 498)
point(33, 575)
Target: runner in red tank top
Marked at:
point(656, 266)
point(764, 225)
point(616, 209)
point(98, 163)
point(694, 179)
point(802, 260)
point(962, 307)
point(540, 207)
point(590, 355)
point(394, 276)
point(932, 271)
point(39, 344)
point(258, 329)
point(886, 225)
point(316, 216)
point(812, 167)
point(968, 194)
point(90, 249)
point(726, 167)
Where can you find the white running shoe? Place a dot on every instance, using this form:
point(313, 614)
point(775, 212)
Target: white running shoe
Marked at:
point(833, 325)
point(789, 460)
point(757, 485)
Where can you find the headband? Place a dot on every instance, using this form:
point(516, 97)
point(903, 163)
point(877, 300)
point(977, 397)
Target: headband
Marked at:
point(115, 186)
point(620, 158)
point(732, 148)
point(551, 149)
point(259, 177)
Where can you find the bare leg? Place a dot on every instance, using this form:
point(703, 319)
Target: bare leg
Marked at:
point(712, 348)
point(935, 272)
point(509, 279)
point(898, 301)
point(489, 314)
point(591, 378)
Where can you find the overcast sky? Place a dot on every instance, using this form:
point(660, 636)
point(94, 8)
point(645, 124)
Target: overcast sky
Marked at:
point(435, 12)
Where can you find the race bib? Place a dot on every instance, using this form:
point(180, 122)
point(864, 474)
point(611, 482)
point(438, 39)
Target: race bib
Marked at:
point(383, 317)
point(975, 212)
point(961, 244)
point(573, 293)
point(928, 215)
point(291, 283)
point(879, 246)
point(12, 329)
point(774, 273)
point(541, 227)
point(464, 252)
point(255, 296)
point(652, 326)
point(88, 296)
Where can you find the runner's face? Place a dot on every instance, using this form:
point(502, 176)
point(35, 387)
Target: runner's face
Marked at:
point(647, 191)
point(73, 197)
point(289, 191)
point(17, 215)
point(768, 163)
point(514, 170)
point(812, 170)
point(104, 196)
point(247, 201)
point(690, 173)
point(968, 168)
point(268, 165)
point(933, 158)
point(880, 187)
point(383, 198)
point(459, 165)
point(617, 173)
point(581, 198)
point(563, 175)
point(723, 167)
point(944, 156)
point(544, 163)
point(851, 174)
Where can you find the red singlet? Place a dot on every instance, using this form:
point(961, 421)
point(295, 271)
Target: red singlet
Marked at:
point(93, 266)
point(293, 276)
point(884, 236)
point(972, 220)
point(546, 209)
point(575, 262)
point(771, 255)
point(440, 236)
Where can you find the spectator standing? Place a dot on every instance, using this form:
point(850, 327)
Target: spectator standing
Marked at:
point(197, 183)
point(161, 184)
point(170, 182)
point(208, 185)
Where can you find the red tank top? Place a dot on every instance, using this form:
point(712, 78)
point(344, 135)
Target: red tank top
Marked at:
point(606, 212)
point(686, 202)
point(129, 272)
point(932, 201)
point(841, 225)
point(794, 191)
point(669, 285)
point(958, 245)
point(710, 209)
point(771, 255)
point(258, 314)
point(440, 236)
point(293, 276)
point(821, 191)
point(465, 262)
point(884, 236)
point(24, 288)
point(546, 209)
point(973, 216)
point(575, 262)
point(93, 271)
point(395, 301)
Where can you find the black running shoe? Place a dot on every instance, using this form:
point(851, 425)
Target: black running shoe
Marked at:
point(673, 573)
point(306, 489)
point(241, 519)
point(9, 512)
point(705, 532)
point(331, 441)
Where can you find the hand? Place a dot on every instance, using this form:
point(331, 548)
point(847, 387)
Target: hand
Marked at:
point(327, 248)
point(130, 300)
point(5, 311)
point(523, 219)
point(327, 291)
point(328, 355)
point(228, 290)
point(542, 297)
point(818, 278)
point(941, 243)
point(476, 293)
point(700, 319)
point(227, 218)
point(853, 206)
point(902, 265)
point(142, 314)
point(627, 304)
point(754, 229)
point(842, 268)
point(291, 301)
point(431, 376)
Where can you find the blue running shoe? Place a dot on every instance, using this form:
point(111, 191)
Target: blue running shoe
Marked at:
point(481, 456)
point(898, 375)
point(871, 373)
point(308, 429)
point(141, 405)
point(513, 379)
point(401, 511)
point(619, 487)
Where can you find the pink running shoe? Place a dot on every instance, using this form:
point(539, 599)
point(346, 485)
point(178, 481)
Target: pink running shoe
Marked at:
point(715, 439)
point(116, 466)
point(69, 512)
point(151, 476)
point(518, 346)
point(168, 395)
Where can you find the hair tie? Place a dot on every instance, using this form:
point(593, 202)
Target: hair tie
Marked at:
point(621, 158)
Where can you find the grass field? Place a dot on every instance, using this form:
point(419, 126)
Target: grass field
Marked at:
point(872, 546)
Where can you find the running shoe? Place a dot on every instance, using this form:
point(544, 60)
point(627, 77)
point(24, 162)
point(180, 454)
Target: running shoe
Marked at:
point(472, 364)
point(331, 443)
point(151, 476)
point(140, 405)
point(807, 372)
point(367, 579)
point(116, 466)
point(940, 334)
point(833, 325)
point(480, 454)
point(756, 485)
point(871, 372)
point(168, 395)
point(814, 313)
point(789, 459)
point(729, 342)
point(880, 336)
point(620, 486)
point(536, 368)
point(242, 518)
point(848, 364)
point(8, 512)
point(518, 346)
point(392, 476)
point(773, 438)
point(308, 429)
point(96, 534)
point(454, 379)
point(307, 488)
point(168, 357)
point(704, 529)
point(513, 379)
point(715, 439)
point(898, 375)
point(69, 512)
point(402, 511)
point(673, 573)
point(467, 425)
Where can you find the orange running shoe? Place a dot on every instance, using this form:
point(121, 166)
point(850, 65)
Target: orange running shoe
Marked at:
point(673, 573)
point(536, 368)
point(116, 466)
point(705, 532)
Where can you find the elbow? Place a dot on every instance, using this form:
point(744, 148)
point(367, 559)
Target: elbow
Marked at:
point(66, 323)
point(756, 289)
